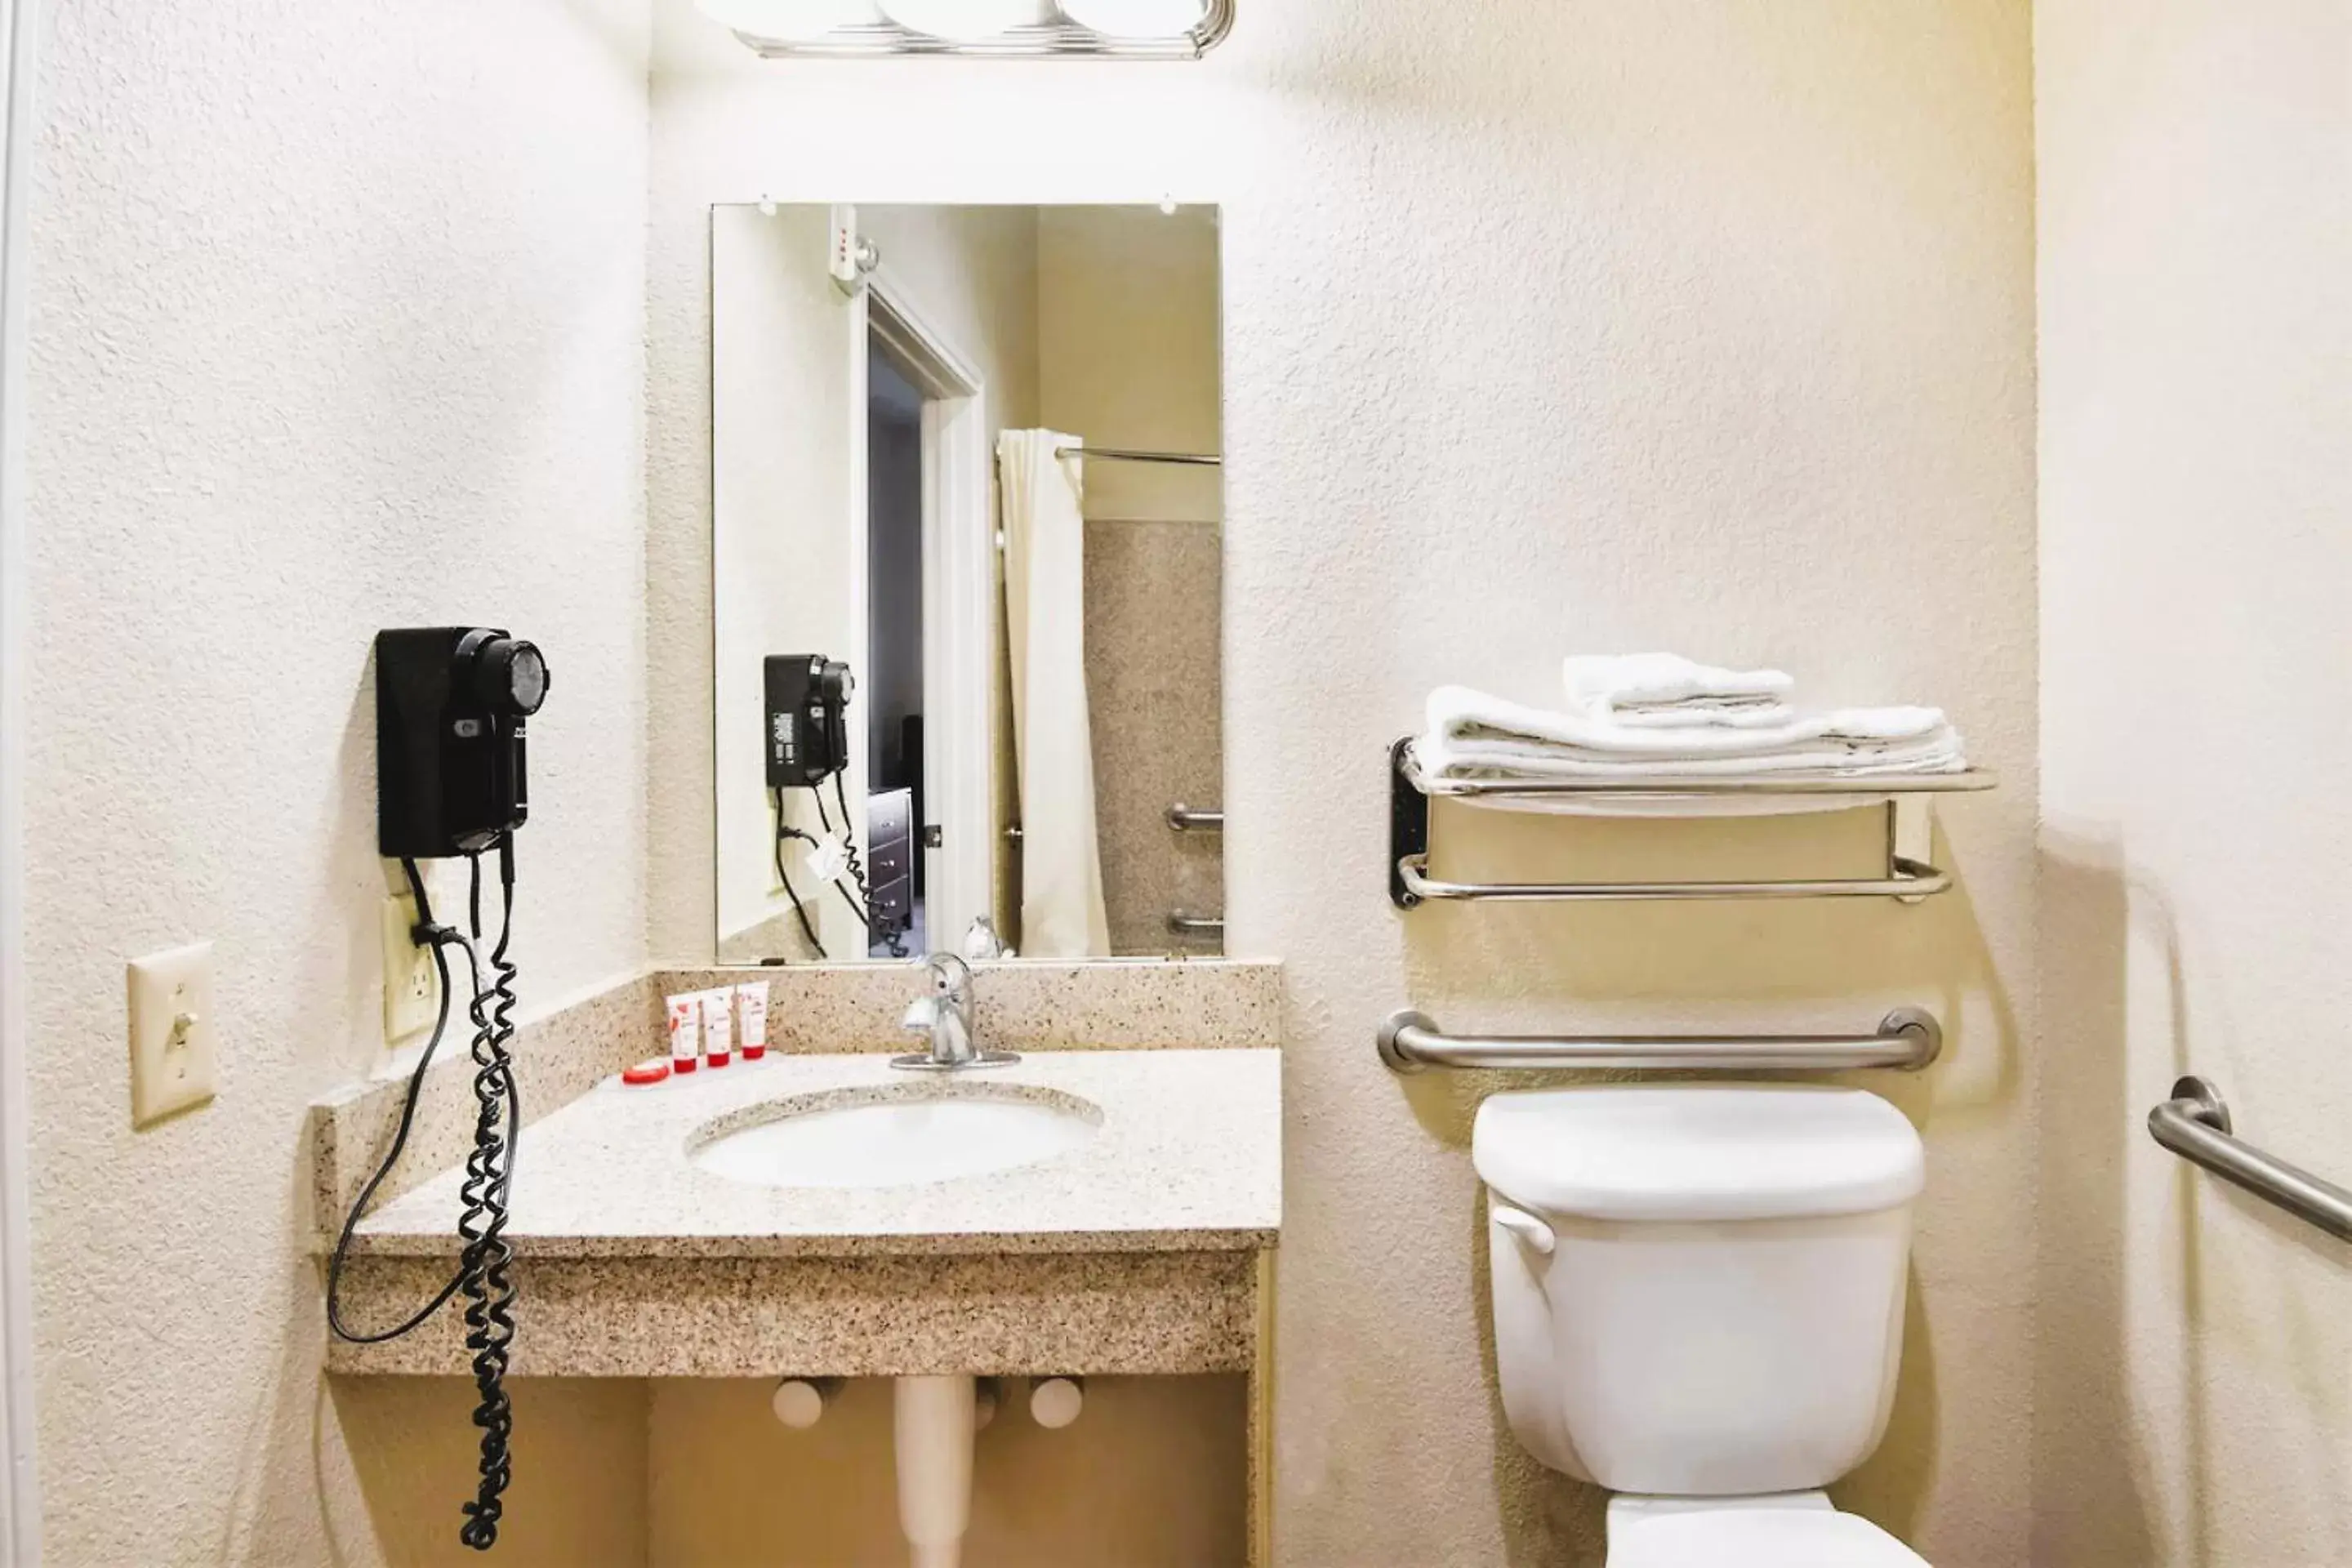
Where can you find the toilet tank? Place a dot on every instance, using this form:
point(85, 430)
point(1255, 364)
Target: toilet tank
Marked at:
point(1698, 1288)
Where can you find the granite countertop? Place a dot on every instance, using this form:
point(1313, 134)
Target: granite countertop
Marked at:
point(1187, 1157)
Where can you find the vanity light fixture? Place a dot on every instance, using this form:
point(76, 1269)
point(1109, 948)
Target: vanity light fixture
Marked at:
point(1003, 29)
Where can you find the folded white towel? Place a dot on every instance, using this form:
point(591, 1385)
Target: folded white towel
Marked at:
point(1667, 689)
point(1695, 712)
point(1471, 733)
point(1442, 759)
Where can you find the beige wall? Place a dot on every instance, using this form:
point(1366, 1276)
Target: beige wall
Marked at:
point(1128, 343)
point(579, 1498)
point(1705, 325)
point(1149, 1477)
point(2196, 202)
point(339, 325)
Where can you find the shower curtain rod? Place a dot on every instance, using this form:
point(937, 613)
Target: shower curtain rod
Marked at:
point(1194, 459)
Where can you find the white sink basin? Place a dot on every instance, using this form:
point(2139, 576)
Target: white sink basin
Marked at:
point(891, 1138)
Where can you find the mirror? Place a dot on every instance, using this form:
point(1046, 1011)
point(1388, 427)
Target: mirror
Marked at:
point(967, 503)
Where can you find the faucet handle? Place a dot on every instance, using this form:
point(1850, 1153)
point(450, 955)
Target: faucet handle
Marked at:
point(950, 975)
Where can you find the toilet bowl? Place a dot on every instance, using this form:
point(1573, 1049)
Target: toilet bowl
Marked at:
point(1698, 1295)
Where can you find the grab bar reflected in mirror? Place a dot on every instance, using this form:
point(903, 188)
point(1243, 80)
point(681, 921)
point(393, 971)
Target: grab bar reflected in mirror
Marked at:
point(1188, 818)
point(2195, 1124)
point(1182, 924)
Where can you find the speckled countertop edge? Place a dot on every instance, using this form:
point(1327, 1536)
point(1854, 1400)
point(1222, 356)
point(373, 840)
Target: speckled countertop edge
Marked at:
point(1187, 1158)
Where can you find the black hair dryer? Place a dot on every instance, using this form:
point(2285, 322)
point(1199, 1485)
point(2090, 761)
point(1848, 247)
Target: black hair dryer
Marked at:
point(450, 702)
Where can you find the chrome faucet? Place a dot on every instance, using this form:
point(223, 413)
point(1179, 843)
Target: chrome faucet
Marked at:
point(945, 1015)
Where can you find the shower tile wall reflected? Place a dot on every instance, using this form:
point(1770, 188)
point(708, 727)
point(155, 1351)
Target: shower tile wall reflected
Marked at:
point(1154, 692)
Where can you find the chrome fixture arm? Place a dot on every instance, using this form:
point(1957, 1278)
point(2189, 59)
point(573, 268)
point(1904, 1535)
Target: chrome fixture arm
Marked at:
point(1907, 1038)
point(2195, 1124)
point(1182, 924)
point(945, 1015)
point(1188, 818)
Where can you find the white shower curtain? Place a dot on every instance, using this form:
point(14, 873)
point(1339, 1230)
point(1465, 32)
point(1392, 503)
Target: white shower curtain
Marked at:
point(1044, 611)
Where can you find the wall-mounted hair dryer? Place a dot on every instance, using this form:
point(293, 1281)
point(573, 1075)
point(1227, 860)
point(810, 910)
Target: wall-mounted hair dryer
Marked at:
point(450, 706)
point(807, 741)
point(808, 719)
point(450, 702)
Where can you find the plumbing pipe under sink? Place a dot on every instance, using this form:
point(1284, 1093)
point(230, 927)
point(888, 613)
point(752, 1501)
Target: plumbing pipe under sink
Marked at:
point(933, 1439)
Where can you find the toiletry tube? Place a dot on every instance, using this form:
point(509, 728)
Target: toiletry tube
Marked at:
point(752, 1016)
point(718, 1026)
point(685, 1032)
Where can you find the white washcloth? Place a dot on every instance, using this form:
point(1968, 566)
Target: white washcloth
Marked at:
point(1471, 734)
point(1666, 691)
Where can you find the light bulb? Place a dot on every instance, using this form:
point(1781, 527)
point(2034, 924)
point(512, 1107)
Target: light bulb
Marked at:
point(1137, 18)
point(789, 19)
point(964, 19)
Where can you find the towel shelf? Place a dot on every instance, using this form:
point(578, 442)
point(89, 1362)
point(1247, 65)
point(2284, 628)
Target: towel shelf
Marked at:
point(1908, 876)
point(2195, 1124)
point(1908, 1038)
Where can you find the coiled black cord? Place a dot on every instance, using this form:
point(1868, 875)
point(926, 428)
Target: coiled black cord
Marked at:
point(860, 901)
point(481, 1272)
point(784, 832)
point(488, 1288)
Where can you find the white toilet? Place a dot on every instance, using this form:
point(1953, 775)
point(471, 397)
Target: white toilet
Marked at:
point(1698, 1305)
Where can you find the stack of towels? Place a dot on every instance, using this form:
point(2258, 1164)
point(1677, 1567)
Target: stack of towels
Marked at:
point(1659, 716)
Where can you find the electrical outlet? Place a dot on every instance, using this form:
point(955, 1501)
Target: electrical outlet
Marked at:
point(412, 985)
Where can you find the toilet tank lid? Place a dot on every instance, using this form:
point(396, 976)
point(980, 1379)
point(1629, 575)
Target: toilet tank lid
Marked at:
point(1698, 1151)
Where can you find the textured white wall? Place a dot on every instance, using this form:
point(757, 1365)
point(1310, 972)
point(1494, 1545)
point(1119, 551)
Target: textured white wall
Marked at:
point(1704, 323)
point(2196, 225)
point(339, 325)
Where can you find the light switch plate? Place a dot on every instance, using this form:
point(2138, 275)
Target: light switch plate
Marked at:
point(173, 1064)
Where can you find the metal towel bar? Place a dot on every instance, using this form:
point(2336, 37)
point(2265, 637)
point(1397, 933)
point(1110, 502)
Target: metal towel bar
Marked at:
point(1182, 924)
point(2195, 1124)
point(1188, 818)
point(1907, 877)
point(1116, 455)
point(1907, 1038)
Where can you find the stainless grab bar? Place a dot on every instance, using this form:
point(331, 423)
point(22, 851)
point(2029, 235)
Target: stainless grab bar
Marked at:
point(1907, 1038)
point(2195, 1124)
point(1182, 924)
point(1186, 818)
